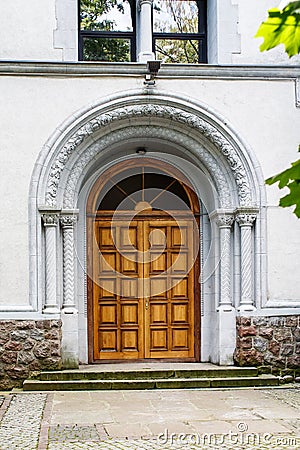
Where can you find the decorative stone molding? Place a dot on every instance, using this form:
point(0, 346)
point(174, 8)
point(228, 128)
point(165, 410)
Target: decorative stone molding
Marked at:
point(50, 220)
point(90, 153)
point(68, 221)
point(224, 220)
point(170, 113)
point(246, 218)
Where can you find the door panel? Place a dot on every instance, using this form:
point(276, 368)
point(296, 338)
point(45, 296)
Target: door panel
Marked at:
point(169, 330)
point(118, 313)
point(143, 292)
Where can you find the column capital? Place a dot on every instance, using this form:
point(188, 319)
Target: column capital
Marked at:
point(50, 219)
point(223, 218)
point(68, 221)
point(246, 216)
point(68, 218)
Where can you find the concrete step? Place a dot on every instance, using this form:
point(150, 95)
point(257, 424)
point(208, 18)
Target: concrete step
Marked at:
point(158, 383)
point(69, 375)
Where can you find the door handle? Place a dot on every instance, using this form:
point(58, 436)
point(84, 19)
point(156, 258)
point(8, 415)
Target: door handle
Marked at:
point(147, 303)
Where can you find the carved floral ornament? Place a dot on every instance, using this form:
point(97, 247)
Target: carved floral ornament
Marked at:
point(243, 216)
point(50, 219)
point(159, 111)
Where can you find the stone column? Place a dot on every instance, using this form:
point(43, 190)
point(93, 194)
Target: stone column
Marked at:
point(246, 219)
point(145, 30)
point(225, 311)
point(68, 222)
point(50, 220)
point(69, 313)
point(224, 222)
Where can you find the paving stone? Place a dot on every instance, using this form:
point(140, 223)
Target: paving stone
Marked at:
point(63, 433)
point(177, 429)
point(20, 425)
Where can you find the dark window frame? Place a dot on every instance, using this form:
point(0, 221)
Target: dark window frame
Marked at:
point(201, 36)
point(130, 35)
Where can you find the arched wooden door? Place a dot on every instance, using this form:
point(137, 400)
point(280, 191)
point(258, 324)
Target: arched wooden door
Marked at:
point(143, 246)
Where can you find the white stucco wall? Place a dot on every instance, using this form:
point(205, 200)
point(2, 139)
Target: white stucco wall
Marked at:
point(263, 113)
point(251, 14)
point(39, 30)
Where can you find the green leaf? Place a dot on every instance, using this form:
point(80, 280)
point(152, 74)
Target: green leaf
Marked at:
point(282, 27)
point(289, 178)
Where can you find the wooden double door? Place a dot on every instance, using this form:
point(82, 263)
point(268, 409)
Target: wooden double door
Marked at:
point(145, 296)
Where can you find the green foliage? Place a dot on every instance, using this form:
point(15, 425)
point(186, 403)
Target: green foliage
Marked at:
point(92, 18)
point(104, 49)
point(91, 12)
point(183, 18)
point(282, 27)
point(289, 178)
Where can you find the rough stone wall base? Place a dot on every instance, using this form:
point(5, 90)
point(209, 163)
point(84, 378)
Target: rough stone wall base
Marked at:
point(26, 347)
point(270, 343)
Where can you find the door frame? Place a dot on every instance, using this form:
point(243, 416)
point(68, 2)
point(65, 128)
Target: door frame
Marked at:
point(90, 216)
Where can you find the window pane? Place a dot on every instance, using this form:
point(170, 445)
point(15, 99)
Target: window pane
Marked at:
point(175, 16)
point(105, 15)
point(106, 49)
point(183, 51)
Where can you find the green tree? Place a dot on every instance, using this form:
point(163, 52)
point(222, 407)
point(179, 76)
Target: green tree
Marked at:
point(283, 27)
point(92, 18)
point(182, 18)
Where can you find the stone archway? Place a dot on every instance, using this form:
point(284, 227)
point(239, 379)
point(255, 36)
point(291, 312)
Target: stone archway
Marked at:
point(173, 128)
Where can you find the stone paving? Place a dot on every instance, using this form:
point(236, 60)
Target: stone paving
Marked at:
point(151, 420)
point(20, 425)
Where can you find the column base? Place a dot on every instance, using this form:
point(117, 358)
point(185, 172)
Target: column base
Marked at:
point(70, 358)
point(69, 310)
point(227, 334)
point(246, 308)
point(51, 309)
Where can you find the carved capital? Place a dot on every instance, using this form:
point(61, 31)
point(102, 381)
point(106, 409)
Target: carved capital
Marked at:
point(161, 112)
point(68, 221)
point(50, 219)
point(223, 218)
point(246, 219)
point(225, 221)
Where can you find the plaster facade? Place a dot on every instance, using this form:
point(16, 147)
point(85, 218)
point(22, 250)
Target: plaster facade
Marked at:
point(227, 128)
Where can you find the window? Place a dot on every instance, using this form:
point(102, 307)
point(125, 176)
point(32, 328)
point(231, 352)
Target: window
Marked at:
point(107, 30)
point(179, 31)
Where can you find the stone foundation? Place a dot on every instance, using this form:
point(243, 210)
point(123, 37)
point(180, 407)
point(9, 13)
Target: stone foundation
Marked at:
point(270, 343)
point(28, 346)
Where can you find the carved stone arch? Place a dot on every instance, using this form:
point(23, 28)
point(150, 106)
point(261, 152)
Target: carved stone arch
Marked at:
point(173, 114)
point(81, 148)
point(216, 173)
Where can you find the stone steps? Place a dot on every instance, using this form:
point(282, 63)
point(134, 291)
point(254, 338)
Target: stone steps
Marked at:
point(65, 375)
point(148, 379)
